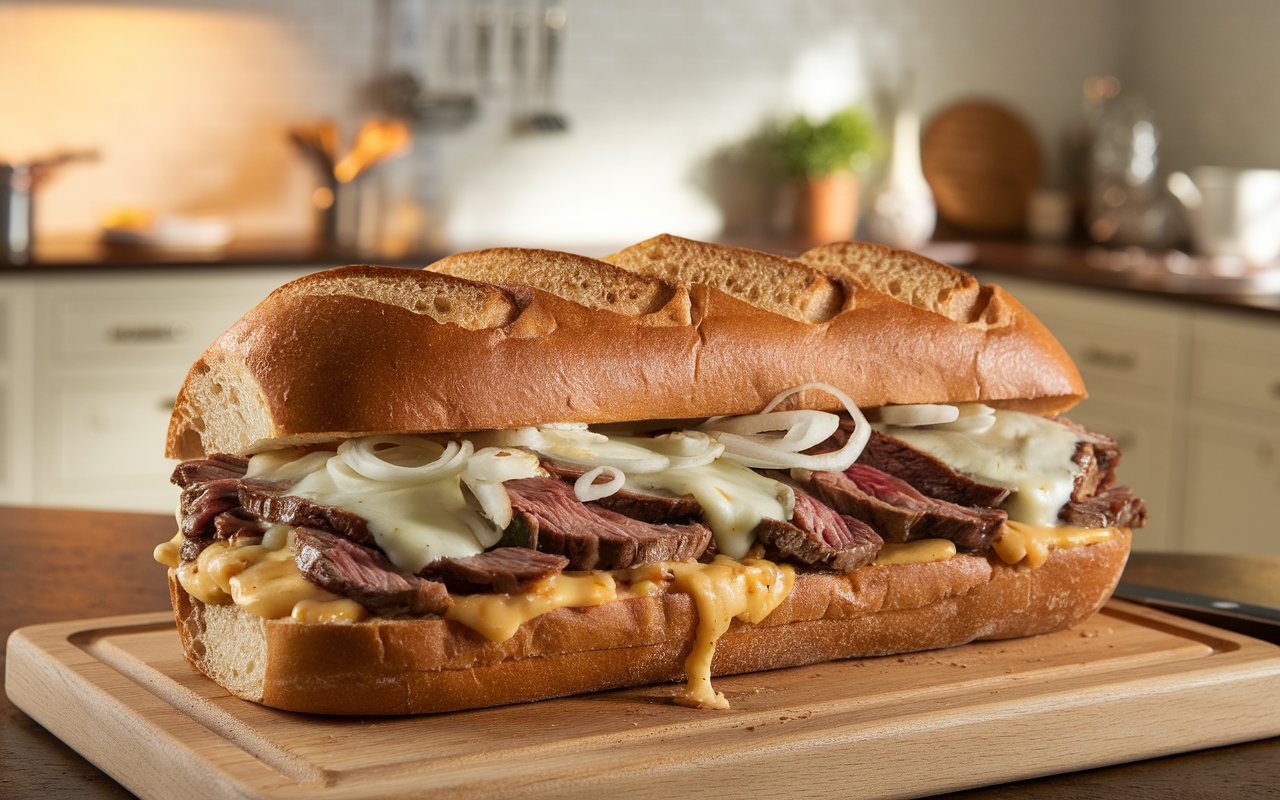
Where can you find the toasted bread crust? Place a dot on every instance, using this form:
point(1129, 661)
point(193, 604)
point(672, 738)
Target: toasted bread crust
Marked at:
point(362, 350)
point(412, 666)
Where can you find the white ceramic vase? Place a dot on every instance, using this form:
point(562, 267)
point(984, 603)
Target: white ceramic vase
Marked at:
point(900, 208)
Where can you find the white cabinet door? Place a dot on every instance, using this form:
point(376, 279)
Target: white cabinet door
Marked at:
point(17, 364)
point(1232, 496)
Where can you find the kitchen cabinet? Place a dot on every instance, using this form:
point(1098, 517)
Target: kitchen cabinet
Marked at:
point(1193, 396)
point(92, 366)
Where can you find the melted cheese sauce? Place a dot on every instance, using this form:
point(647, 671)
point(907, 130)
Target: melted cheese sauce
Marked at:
point(1019, 542)
point(921, 551)
point(1020, 451)
point(723, 590)
point(497, 617)
point(263, 580)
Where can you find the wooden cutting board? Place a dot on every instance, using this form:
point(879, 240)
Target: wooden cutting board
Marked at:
point(1129, 683)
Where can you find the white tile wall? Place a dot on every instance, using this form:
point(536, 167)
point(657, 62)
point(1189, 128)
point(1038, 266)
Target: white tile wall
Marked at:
point(189, 101)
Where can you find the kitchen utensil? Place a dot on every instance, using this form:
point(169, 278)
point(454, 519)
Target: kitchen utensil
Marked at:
point(1233, 213)
point(18, 182)
point(982, 162)
point(1129, 683)
point(1260, 622)
point(545, 119)
point(484, 30)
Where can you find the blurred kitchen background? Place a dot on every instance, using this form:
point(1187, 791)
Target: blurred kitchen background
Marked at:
point(164, 164)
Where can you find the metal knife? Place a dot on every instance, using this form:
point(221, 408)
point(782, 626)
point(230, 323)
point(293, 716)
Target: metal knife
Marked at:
point(1260, 622)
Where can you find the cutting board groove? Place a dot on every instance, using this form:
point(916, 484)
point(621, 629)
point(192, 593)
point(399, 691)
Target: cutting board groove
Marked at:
point(1128, 683)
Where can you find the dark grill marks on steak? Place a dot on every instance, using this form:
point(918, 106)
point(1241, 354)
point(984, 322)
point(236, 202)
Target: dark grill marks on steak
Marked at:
point(644, 507)
point(510, 570)
point(1117, 507)
point(365, 575)
point(819, 536)
point(899, 513)
point(549, 517)
point(265, 501)
point(927, 474)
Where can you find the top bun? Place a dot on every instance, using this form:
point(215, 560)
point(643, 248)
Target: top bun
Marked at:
point(671, 329)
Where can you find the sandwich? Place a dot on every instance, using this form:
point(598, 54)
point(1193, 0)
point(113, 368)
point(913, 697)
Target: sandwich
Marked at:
point(522, 474)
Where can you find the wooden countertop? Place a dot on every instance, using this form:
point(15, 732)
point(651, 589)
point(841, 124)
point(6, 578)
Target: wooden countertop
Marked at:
point(61, 565)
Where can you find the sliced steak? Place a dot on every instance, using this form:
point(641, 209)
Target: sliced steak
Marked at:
point(646, 507)
point(266, 502)
point(202, 503)
point(549, 517)
point(819, 536)
point(218, 466)
point(507, 569)
point(365, 575)
point(1097, 457)
point(900, 513)
point(1117, 507)
point(237, 522)
point(931, 476)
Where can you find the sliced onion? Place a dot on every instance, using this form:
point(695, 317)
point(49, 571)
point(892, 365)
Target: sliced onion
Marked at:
point(587, 489)
point(497, 464)
point(364, 456)
point(912, 415)
point(759, 452)
point(978, 423)
point(684, 448)
point(804, 429)
point(495, 503)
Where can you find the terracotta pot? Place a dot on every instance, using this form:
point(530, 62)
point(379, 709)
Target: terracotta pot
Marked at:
point(827, 209)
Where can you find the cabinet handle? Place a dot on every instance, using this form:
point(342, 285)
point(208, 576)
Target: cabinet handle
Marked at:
point(144, 334)
point(1114, 359)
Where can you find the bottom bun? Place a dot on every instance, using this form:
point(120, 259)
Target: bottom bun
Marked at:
point(415, 666)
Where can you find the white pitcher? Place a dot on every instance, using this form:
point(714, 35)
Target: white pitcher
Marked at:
point(1232, 212)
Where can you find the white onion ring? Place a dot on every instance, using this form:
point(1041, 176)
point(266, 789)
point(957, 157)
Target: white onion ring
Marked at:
point(586, 488)
point(497, 464)
point(363, 456)
point(804, 428)
point(912, 415)
point(755, 452)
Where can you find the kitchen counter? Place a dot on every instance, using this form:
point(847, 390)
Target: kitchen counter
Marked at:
point(1123, 271)
point(62, 564)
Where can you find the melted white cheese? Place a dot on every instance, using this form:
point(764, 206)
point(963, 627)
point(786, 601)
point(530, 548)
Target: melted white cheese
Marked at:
point(733, 498)
point(413, 523)
point(1029, 454)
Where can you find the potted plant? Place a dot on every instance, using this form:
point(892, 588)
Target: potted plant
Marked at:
point(822, 157)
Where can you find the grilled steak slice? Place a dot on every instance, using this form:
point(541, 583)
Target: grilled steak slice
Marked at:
point(549, 517)
point(646, 507)
point(202, 503)
point(236, 522)
point(899, 513)
point(218, 466)
point(1097, 456)
point(819, 536)
point(929, 475)
point(265, 501)
point(1117, 507)
point(365, 575)
point(506, 569)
